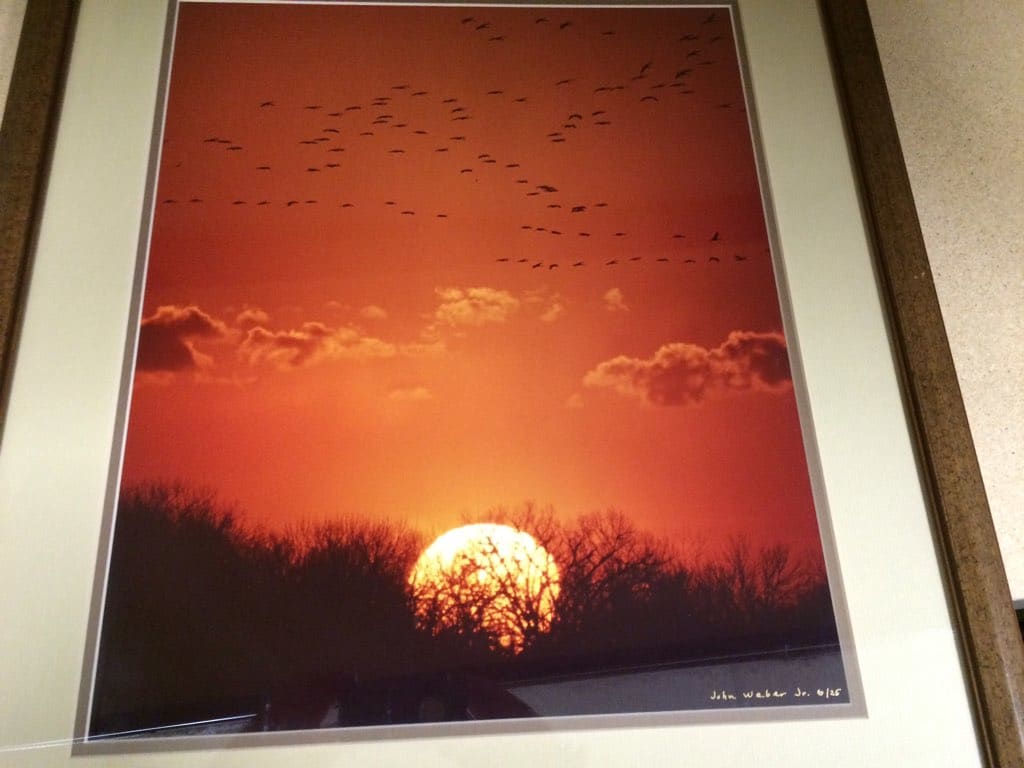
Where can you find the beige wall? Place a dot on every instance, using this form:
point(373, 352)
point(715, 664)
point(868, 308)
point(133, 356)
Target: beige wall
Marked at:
point(955, 72)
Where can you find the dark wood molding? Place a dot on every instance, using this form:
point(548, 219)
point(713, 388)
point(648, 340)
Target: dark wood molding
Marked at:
point(980, 598)
point(26, 141)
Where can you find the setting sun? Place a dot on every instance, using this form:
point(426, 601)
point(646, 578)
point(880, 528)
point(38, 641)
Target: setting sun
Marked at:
point(493, 578)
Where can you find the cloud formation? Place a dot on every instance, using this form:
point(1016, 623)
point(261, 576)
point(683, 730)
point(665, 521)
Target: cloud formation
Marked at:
point(373, 312)
point(683, 374)
point(554, 311)
point(614, 302)
point(310, 343)
point(410, 395)
point(251, 316)
point(474, 306)
point(166, 339)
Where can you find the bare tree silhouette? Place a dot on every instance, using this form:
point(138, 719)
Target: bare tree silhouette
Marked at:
point(503, 587)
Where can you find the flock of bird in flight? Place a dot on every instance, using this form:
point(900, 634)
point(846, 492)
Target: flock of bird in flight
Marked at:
point(342, 128)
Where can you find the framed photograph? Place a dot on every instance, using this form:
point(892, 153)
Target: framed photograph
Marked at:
point(405, 379)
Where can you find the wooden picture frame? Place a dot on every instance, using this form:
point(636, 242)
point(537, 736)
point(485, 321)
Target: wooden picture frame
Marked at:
point(993, 658)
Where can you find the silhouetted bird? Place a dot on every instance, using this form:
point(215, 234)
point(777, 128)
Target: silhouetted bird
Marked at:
point(565, 24)
point(262, 167)
point(268, 104)
point(290, 203)
point(715, 237)
point(579, 208)
point(714, 259)
point(578, 264)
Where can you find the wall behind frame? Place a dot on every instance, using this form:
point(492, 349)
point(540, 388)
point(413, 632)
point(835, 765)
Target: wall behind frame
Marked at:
point(955, 73)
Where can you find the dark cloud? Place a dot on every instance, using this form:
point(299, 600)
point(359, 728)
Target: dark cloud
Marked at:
point(166, 339)
point(682, 374)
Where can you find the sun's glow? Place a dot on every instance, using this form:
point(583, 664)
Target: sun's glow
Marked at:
point(489, 577)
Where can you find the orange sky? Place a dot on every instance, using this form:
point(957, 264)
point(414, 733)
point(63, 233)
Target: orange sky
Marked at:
point(397, 341)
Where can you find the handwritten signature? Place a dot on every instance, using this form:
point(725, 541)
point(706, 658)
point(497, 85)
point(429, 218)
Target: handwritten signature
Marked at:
point(721, 694)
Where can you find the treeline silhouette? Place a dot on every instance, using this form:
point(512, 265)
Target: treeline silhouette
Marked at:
point(205, 617)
